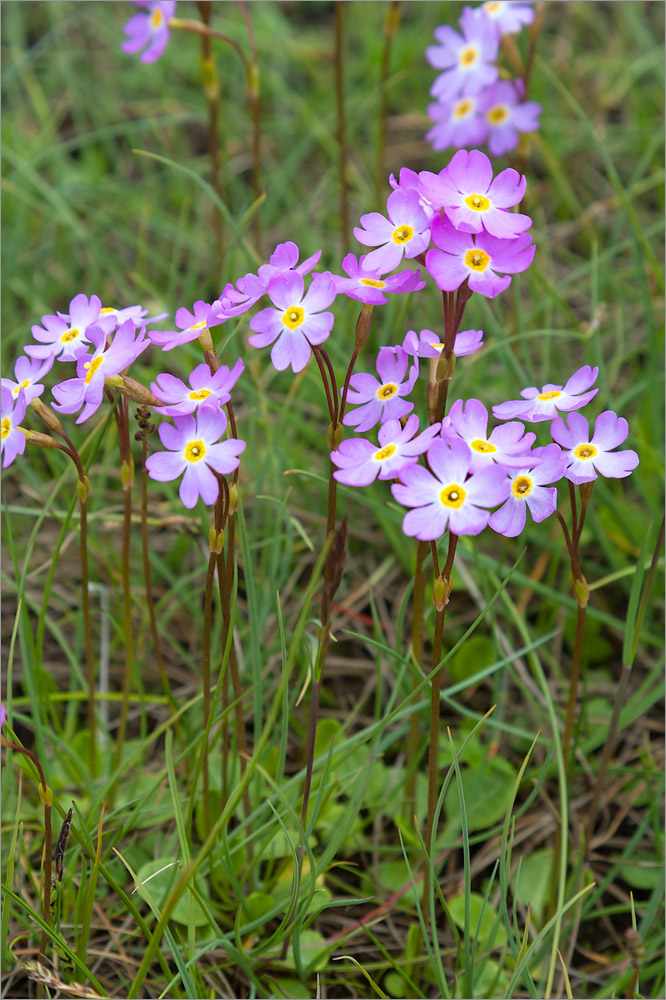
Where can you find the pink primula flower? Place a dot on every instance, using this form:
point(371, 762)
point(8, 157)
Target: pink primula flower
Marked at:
point(584, 457)
point(196, 453)
point(377, 400)
point(28, 373)
point(369, 286)
point(406, 232)
point(467, 59)
point(507, 114)
point(544, 405)
point(428, 345)
point(472, 200)
point(205, 389)
point(530, 489)
point(191, 325)
point(12, 412)
point(457, 123)
point(506, 445)
point(65, 336)
point(446, 496)
point(508, 16)
point(478, 259)
point(360, 461)
point(297, 322)
point(149, 30)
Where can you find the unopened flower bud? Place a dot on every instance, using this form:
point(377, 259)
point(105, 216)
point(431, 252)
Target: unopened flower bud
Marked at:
point(446, 367)
point(46, 795)
point(130, 387)
point(41, 440)
point(215, 540)
point(441, 592)
point(580, 589)
point(46, 415)
point(206, 340)
point(363, 324)
point(334, 436)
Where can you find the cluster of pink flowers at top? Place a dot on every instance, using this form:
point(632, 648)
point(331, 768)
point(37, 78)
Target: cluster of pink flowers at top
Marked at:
point(458, 223)
point(473, 107)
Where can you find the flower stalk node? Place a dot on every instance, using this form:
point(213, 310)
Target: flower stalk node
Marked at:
point(209, 80)
point(46, 795)
point(441, 592)
point(83, 489)
point(215, 540)
point(127, 473)
point(446, 367)
point(233, 498)
point(580, 588)
point(334, 436)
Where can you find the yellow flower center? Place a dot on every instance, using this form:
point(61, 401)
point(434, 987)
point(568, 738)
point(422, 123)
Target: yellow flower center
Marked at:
point(498, 114)
point(403, 234)
point(199, 394)
point(106, 311)
point(585, 451)
point(463, 108)
point(385, 453)
point(477, 260)
point(521, 486)
point(468, 57)
point(553, 394)
point(437, 346)
point(485, 447)
point(492, 6)
point(293, 317)
point(477, 202)
point(198, 326)
point(373, 282)
point(25, 383)
point(92, 367)
point(452, 496)
point(386, 391)
point(69, 335)
point(195, 451)
point(6, 427)
point(156, 18)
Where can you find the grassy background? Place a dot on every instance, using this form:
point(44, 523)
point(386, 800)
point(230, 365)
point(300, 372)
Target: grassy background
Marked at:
point(83, 211)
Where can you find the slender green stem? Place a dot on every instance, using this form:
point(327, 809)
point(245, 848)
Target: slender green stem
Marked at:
point(207, 623)
point(573, 683)
point(391, 21)
point(341, 122)
point(418, 612)
point(127, 478)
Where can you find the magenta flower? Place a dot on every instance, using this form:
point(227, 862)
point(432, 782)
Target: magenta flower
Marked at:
point(467, 59)
point(149, 30)
point(381, 401)
point(406, 232)
point(506, 445)
point(28, 374)
point(297, 322)
point(507, 114)
point(236, 301)
point(3, 715)
point(12, 412)
point(92, 369)
point(428, 345)
point(359, 461)
point(536, 406)
point(445, 496)
point(65, 336)
point(194, 448)
point(368, 285)
point(508, 16)
point(585, 458)
point(408, 180)
point(529, 488)
point(457, 123)
point(204, 389)
point(476, 258)
point(191, 325)
point(472, 200)
point(250, 288)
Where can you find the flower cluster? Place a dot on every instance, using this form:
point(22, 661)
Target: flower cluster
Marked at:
point(473, 107)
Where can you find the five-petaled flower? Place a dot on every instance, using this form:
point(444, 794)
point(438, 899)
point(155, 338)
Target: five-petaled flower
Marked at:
point(191, 325)
point(476, 258)
point(66, 336)
point(472, 200)
point(28, 373)
point(195, 451)
point(506, 445)
point(507, 114)
point(377, 400)
point(467, 59)
point(507, 15)
point(406, 232)
point(530, 488)
point(297, 322)
point(368, 285)
point(584, 457)
point(360, 461)
point(149, 30)
point(427, 344)
point(445, 496)
point(205, 389)
point(544, 405)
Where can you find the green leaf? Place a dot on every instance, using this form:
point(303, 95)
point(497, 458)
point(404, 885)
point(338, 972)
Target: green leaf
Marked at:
point(492, 933)
point(487, 790)
point(164, 873)
point(531, 882)
point(477, 654)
